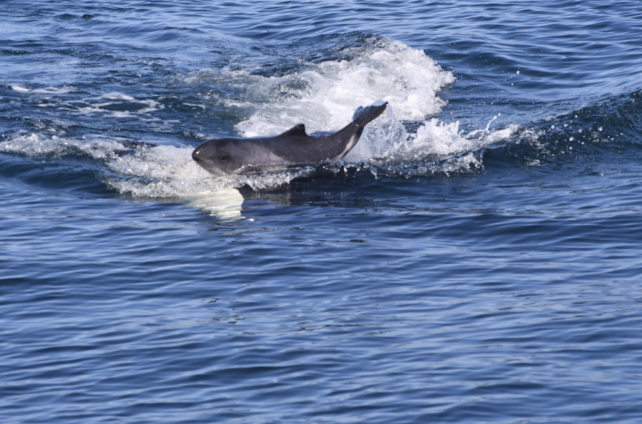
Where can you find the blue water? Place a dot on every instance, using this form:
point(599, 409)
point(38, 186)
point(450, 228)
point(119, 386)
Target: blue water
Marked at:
point(476, 259)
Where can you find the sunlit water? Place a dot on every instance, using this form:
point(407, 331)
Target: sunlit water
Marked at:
point(476, 258)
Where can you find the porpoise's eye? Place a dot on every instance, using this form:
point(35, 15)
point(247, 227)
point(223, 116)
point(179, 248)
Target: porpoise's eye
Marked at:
point(223, 158)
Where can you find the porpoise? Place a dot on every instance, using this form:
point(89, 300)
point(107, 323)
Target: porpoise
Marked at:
point(229, 156)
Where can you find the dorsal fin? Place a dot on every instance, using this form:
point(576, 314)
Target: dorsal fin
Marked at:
point(296, 131)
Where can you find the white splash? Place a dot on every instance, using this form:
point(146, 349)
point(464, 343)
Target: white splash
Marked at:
point(382, 137)
point(386, 139)
point(225, 203)
point(439, 138)
point(323, 96)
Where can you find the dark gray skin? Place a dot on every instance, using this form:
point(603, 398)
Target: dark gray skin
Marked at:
point(294, 147)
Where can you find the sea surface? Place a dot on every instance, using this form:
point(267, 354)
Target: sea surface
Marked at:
point(477, 258)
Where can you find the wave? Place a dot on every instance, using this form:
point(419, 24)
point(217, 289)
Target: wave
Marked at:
point(612, 124)
point(322, 91)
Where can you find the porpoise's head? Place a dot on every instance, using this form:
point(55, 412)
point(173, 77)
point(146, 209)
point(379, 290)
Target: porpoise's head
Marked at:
point(219, 157)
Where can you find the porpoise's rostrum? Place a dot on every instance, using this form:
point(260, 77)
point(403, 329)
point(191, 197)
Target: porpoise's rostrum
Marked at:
point(294, 147)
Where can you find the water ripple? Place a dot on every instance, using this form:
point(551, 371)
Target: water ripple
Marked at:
point(489, 275)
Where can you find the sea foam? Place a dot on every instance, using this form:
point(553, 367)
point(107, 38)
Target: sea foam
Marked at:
point(322, 95)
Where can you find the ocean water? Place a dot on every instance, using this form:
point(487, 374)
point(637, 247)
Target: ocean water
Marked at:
point(476, 258)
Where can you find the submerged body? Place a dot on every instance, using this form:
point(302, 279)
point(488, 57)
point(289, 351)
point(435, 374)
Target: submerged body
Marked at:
point(294, 147)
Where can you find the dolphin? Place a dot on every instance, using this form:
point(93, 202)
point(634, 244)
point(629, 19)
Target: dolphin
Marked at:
point(229, 156)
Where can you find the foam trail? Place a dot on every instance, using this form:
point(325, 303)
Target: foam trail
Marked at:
point(170, 172)
point(158, 171)
point(324, 96)
point(47, 90)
